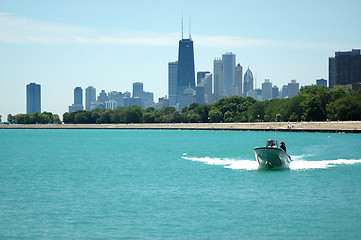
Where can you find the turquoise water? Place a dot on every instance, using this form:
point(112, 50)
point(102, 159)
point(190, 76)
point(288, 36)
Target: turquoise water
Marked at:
point(164, 184)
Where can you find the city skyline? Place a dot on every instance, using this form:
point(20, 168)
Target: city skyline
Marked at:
point(134, 42)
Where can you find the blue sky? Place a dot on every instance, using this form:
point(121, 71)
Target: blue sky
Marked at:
point(62, 44)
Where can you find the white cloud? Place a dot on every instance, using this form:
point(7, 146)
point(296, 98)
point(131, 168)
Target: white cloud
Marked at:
point(20, 30)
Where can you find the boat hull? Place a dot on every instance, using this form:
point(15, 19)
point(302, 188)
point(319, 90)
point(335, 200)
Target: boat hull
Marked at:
point(271, 157)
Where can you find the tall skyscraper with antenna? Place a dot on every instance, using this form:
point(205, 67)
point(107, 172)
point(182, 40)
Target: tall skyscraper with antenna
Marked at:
point(185, 71)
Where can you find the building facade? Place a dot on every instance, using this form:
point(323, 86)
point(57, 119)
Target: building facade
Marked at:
point(218, 78)
point(238, 80)
point(321, 82)
point(172, 83)
point(229, 64)
point(266, 90)
point(248, 82)
point(138, 89)
point(186, 70)
point(33, 98)
point(345, 68)
point(293, 88)
point(90, 97)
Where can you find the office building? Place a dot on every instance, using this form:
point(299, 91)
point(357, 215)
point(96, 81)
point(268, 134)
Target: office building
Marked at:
point(90, 97)
point(238, 80)
point(275, 92)
point(321, 82)
point(218, 78)
point(285, 91)
point(138, 89)
point(172, 83)
point(78, 100)
point(208, 88)
point(111, 104)
point(248, 82)
point(266, 90)
point(103, 97)
point(293, 88)
point(345, 68)
point(200, 96)
point(33, 98)
point(201, 75)
point(186, 72)
point(229, 64)
point(78, 96)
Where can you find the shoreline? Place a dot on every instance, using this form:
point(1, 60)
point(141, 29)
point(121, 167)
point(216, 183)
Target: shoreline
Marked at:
point(335, 127)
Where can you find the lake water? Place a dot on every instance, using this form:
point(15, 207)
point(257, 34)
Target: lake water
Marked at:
point(174, 184)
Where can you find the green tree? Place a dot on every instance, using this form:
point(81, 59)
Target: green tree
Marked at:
point(215, 116)
point(345, 108)
point(133, 114)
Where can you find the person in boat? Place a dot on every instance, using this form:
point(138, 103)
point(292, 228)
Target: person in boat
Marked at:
point(283, 146)
point(270, 143)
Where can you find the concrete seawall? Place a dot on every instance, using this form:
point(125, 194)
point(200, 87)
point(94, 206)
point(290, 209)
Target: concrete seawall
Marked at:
point(340, 126)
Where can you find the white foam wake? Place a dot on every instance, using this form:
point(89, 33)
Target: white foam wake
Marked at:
point(253, 165)
point(303, 164)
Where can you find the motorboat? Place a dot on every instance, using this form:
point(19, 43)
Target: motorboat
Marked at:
point(272, 157)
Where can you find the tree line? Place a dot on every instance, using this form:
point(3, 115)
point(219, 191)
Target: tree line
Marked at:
point(34, 118)
point(313, 103)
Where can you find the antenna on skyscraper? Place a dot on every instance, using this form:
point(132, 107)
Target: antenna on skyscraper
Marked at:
point(190, 35)
point(182, 24)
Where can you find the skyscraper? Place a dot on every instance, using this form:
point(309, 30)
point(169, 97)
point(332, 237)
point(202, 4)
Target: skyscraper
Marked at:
point(78, 96)
point(266, 90)
point(172, 82)
point(186, 72)
point(238, 80)
point(229, 64)
point(293, 88)
point(208, 88)
point(345, 68)
point(33, 98)
point(90, 96)
point(78, 100)
point(201, 75)
point(218, 78)
point(138, 89)
point(275, 92)
point(248, 82)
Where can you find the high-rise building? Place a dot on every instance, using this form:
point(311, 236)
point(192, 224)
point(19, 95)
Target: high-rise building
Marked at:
point(238, 80)
point(138, 89)
point(208, 88)
point(103, 97)
point(248, 82)
point(90, 97)
point(218, 78)
point(172, 83)
point(186, 72)
point(229, 64)
point(321, 82)
point(275, 92)
point(200, 94)
point(266, 90)
point(293, 88)
point(345, 68)
point(33, 98)
point(201, 75)
point(78, 96)
point(78, 100)
point(285, 91)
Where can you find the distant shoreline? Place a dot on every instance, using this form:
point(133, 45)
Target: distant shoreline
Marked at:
point(339, 126)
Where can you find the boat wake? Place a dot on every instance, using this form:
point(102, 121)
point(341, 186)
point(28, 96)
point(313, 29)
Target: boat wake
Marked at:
point(297, 164)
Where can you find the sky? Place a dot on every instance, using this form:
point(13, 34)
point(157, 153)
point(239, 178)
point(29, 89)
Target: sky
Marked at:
point(110, 44)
